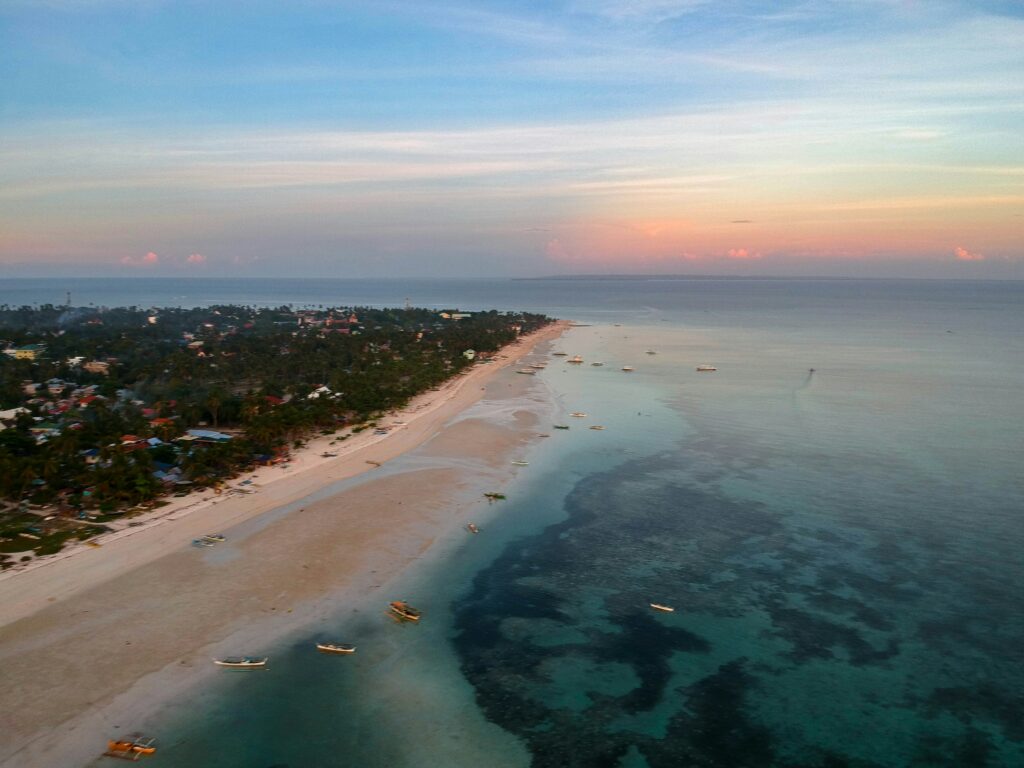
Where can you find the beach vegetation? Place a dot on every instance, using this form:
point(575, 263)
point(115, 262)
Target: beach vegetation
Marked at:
point(125, 405)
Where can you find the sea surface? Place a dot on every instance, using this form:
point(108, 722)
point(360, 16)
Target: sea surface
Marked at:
point(843, 546)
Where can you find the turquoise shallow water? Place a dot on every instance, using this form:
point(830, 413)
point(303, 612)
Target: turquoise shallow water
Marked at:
point(842, 548)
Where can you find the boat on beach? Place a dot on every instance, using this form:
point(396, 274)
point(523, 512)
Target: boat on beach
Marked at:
point(404, 611)
point(216, 537)
point(335, 648)
point(132, 748)
point(201, 543)
point(663, 608)
point(242, 662)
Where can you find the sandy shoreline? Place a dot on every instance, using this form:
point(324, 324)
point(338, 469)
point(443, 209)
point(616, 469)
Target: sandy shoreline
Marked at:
point(28, 589)
point(148, 610)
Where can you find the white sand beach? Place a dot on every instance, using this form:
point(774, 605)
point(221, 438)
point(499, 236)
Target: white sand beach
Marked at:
point(96, 635)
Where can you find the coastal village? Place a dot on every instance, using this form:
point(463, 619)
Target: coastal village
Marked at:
point(106, 412)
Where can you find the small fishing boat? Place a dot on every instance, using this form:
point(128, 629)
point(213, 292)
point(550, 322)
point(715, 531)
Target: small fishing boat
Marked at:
point(335, 648)
point(472, 528)
point(598, 427)
point(651, 352)
point(526, 371)
point(201, 543)
point(539, 366)
point(132, 748)
point(560, 354)
point(242, 662)
point(597, 365)
point(218, 537)
point(575, 360)
point(521, 463)
point(328, 455)
point(561, 426)
point(578, 414)
point(660, 607)
point(706, 368)
point(628, 368)
point(404, 611)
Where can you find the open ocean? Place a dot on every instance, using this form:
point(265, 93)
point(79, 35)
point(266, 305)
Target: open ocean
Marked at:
point(844, 549)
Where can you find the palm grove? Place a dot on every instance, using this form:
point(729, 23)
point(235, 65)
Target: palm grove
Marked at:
point(102, 409)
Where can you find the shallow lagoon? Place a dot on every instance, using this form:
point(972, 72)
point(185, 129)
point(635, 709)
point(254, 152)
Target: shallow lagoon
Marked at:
point(842, 550)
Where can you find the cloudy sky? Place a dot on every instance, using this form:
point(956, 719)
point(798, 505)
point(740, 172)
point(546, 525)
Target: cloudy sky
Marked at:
point(480, 137)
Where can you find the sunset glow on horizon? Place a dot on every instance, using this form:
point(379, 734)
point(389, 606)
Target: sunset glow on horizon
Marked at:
point(881, 138)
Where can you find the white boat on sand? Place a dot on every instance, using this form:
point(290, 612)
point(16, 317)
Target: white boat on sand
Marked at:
point(242, 662)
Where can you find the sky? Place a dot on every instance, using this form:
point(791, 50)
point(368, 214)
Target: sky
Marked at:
point(490, 138)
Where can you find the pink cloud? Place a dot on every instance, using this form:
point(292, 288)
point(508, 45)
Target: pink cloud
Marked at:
point(196, 258)
point(148, 260)
point(555, 250)
point(743, 254)
point(962, 254)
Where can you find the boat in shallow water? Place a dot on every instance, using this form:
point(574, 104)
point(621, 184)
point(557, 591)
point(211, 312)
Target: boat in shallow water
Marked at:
point(706, 368)
point(660, 607)
point(472, 528)
point(335, 648)
point(628, 368)
point(404, 611)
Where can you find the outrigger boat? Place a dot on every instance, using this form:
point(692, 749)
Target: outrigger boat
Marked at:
point(404, 611)
point(242, 662)
point(660, 607)
point(335, 648)
point(472, 528)
point(133, 748)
